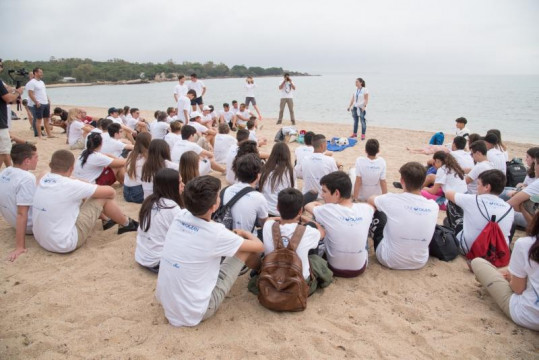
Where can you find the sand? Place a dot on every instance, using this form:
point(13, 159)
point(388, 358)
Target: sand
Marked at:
point(98, 303)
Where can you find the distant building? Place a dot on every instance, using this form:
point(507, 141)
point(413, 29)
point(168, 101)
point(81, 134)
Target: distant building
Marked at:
point(68, 79)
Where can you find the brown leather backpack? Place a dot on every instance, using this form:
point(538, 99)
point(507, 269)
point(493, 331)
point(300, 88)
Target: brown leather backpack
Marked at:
point(281, 284)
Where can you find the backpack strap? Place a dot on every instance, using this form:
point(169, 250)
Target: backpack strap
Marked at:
point(276, 234)
point(236, 197)
point(487, 217)
point(506, 213)
point(296, 237)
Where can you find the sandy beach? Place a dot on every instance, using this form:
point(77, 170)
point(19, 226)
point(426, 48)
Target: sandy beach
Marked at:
point(99, 303)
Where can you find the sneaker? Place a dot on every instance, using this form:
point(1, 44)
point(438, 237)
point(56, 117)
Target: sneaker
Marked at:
point(362, 136)
point(279, 122)
point(243, 270)
point(132, 226)
point(397, 185)
point(107, 224)
point(354, 135)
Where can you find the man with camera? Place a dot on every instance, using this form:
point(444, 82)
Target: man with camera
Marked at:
point(287, 88)
point(38, 94)
point(6, 97)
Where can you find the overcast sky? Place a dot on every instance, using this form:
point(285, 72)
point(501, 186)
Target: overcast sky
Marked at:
point(374, 36)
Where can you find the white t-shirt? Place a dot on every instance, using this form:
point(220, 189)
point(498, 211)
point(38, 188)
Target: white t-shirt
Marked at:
point(451, 181)
point(189, 267)
point(131, 122)
point(129, 182)
point(230, 175)
point(198, 86)
point(112, 146)
point(347, 231)
point(271, 195)
point(171, 139)
point(464, 132)
point(474, 222)
point(206, 120)
point(147, 186)
point(245, 114)
point(183, 146)
point(528, 180)
point(313, 168)
point(300, 152)
point(150, 243)
point(184, 104)
point(411, 220)
point(56, 207)
point(359, 97)
point(181, 89)
point(159, 129)
point(223, 143)
point(93, 167)
point(370, 172)
point(199, 127)
point(75, 132)
point(464, 159)
point(524, 308)
point(234, 110)
point(287, 92)
point(228, 115)
point(309, 241)
point(40, 92)
point(532, 188)
point(475, 172)
point(252, 136)
point(17, 188)
point(250, 90)
point(497, 158)
point(250, 207)
point(26, 96)
point(116, 120)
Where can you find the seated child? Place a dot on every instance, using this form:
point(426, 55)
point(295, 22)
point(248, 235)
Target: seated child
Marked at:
point(17, 189)
point(156, 215)
point(159, 128)
point(114, 144)
point(174, 134)
point(223, 143)
point(133, 191)
point(302, 151)
point(60, 223)
point(251, 126)
point(404, 223)
point(192, 282)
point(315, 166)
point(462, 130)
point(346, 224)
point(521, 200)
point(370, 173)
point(479, 154)
point(76, 129)
point(464, 158)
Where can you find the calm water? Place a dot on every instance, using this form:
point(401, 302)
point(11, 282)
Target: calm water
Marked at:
point(508, 103)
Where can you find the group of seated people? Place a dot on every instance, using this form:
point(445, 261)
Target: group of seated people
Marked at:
point(167, 169)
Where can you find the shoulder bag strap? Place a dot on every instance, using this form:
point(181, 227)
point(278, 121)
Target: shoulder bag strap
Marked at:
point(238, 196)
point(479, 207)
point(296, 237)
point(276, 235)
point(506, 213)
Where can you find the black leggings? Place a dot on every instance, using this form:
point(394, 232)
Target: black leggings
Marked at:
point(379, 221)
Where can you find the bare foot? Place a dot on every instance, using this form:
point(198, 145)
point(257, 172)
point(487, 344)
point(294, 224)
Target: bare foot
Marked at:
point(51, 136)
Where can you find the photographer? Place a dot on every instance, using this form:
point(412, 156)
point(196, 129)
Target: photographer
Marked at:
point(38, 94)
point(6, 97)
point(287, 88)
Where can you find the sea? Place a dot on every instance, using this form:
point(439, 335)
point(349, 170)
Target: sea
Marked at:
point(509, 103)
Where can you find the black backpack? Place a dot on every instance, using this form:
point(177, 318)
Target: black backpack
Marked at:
point(223, 214)
point(516, 172)
point(443, 244)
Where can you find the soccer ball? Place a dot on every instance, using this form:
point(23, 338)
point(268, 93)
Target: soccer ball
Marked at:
point(342, 141)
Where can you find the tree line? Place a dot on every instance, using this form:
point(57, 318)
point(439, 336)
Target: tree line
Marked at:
point(87, 70)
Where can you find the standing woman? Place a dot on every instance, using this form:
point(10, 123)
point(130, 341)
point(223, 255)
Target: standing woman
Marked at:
point(277, 174)
point(358, 104)
point(250, 95)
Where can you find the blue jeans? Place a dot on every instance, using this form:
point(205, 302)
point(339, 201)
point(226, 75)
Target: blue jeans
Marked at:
point(357, 117)
point(134, 194)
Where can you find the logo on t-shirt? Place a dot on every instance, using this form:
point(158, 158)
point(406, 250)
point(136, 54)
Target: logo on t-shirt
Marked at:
point(351, 219)
point(5, 179)
point(418, 210)
point(188, 227)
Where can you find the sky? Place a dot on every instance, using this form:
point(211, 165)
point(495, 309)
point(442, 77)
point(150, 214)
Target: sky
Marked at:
point(371, 36)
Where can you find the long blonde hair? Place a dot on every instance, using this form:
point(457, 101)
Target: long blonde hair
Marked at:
point(72, 115)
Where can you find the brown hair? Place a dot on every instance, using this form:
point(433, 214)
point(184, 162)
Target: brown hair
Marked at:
point(278, 165)
point(533, 230)
point(158, 152)
point(189, 166)
point(142, 144)
point(61, 161)
point(413, 174)
point(450, 163)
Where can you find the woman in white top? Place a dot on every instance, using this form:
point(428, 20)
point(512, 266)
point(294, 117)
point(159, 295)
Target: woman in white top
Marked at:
point(516, 290)
point(370, 173)
point(158, 158)
point(133, 191)
point(277, 174)
point(358, 104)
point(76, 129)
point(250, 95)
point(156, 215)
point(500, 145)
point(98, 168)
point(449, 176)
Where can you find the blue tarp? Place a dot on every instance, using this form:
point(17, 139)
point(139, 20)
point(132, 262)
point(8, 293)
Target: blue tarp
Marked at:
point(335, 147)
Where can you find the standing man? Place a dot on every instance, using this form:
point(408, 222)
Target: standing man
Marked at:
point(38, 93)
point(200, 89)
point(181, 88)
point(5, 140)
point(183, 106)
point(287, 97)
point(359, 101)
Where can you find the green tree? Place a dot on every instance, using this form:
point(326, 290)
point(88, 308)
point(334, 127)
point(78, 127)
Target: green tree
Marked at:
point(83, 72)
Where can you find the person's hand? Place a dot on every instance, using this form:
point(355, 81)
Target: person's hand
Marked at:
point(506, 274)
point(15, 254)
point(38, 104)
point(20, 90)
point(244, 234)
point(511, 193)
point(348, 109)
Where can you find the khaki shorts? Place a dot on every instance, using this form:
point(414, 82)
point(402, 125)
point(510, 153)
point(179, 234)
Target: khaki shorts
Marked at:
point(78, 145)
point(88, 215)
point(230, 269)
point(5, 142)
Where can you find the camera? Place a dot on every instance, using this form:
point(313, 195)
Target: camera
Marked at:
point(18, 76)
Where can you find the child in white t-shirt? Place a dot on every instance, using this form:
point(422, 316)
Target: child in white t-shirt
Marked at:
point(404, 223)
point(76, 129)
point(346, 224)
point(370, 173)
point(17, 188)
point(494, 155)
point(463, 157)
point(132, 190)
point(174, 134)
point(302, 151)
point(315, 166)
point(251, 126)
point(223, 143)
point(60, 223)
point(192, 282)
point(156, 215)
point(159, 128)
point(462, 130)
point(479, 154)
point(158, 158)
point(114, 144)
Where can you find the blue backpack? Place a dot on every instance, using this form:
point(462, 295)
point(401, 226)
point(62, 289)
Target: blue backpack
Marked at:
point(437, 139)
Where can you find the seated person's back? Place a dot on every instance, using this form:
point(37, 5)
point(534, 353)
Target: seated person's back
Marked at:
point(315, 166)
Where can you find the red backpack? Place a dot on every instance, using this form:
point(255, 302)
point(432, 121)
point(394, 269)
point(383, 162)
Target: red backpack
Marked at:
point(491, 244)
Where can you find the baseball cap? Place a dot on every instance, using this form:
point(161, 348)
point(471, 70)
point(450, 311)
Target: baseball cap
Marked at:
point(113, 110)
point(195, 114)
point(206, 108)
